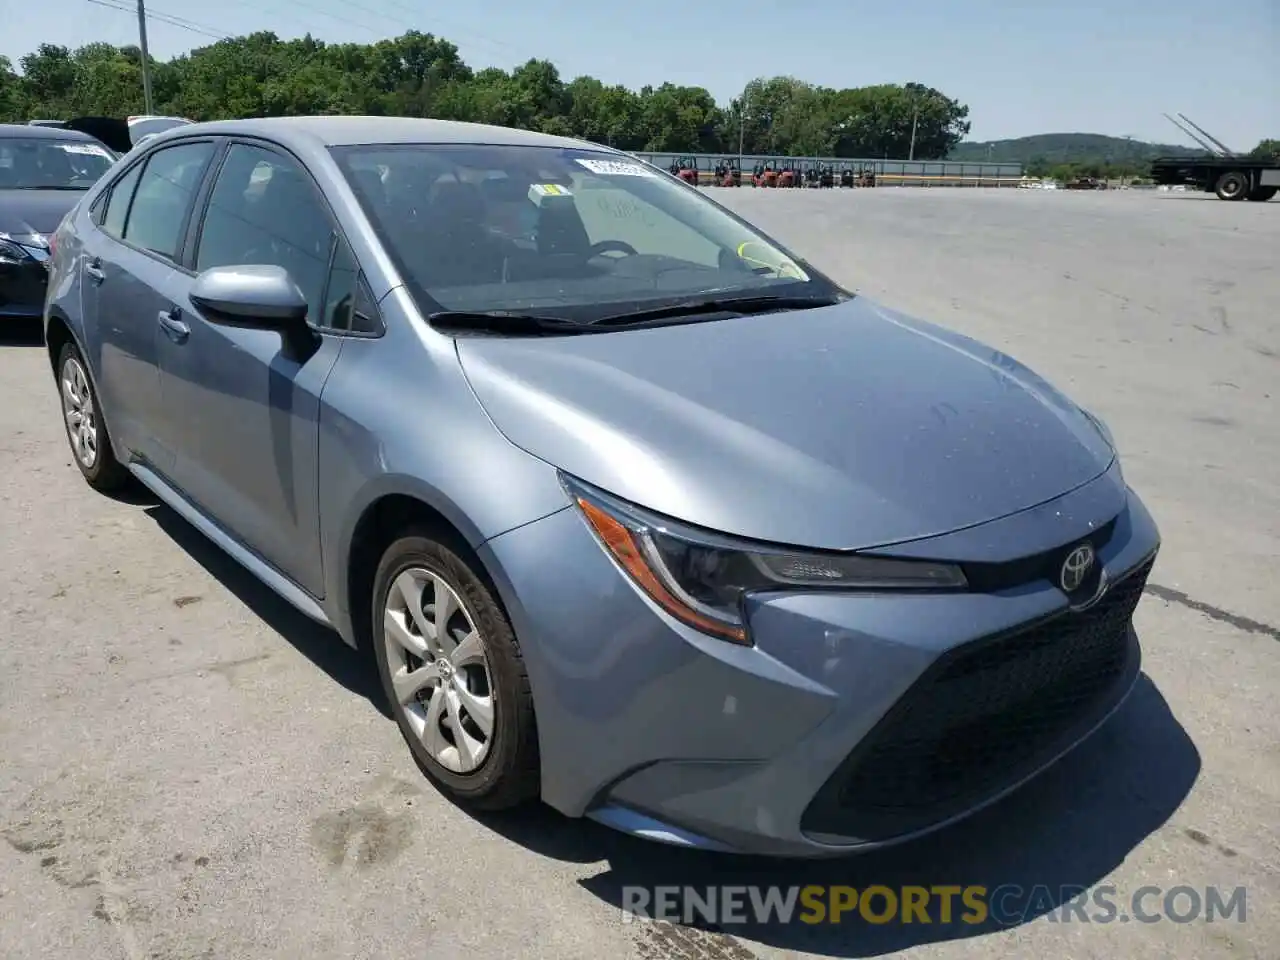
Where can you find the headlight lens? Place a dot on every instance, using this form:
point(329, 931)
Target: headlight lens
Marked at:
point(701, 578)
point(12, 253)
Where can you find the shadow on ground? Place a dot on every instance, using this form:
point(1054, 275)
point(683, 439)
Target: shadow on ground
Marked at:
point(21, 333)
point(322, 646)
point(1059, 835)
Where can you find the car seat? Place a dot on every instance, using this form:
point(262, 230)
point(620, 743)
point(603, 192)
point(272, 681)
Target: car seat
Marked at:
point(459, 249)
point(560, 231)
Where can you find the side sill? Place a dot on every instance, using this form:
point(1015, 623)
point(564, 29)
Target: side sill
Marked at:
point(282, 585)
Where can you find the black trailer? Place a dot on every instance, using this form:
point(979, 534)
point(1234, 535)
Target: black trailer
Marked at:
point(1229, 175)
point(1231, 178)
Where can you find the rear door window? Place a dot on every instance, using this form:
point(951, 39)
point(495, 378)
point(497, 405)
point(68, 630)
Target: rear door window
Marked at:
point(163, 198)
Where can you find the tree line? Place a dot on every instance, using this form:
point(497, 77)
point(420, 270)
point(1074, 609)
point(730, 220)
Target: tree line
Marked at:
point(418, 74)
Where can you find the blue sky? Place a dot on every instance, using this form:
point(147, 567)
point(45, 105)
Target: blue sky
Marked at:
point(1098, 66)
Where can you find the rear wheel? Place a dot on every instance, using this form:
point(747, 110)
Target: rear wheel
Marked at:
point(1233, 185)
point(452, 671)
point(86, 432)
point(1262, 194)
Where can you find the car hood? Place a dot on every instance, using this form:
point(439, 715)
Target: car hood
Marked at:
point(843, 427)
point(27, 212)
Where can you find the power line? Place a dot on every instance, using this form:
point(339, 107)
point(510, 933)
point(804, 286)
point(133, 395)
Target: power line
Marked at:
point(166, 18)
point(192, 26)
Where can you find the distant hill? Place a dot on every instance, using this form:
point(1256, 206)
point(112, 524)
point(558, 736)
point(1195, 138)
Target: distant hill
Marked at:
point(1062, 148)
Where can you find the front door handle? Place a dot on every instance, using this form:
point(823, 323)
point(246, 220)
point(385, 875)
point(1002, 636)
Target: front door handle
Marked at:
point(174, 326)
point(93, 271)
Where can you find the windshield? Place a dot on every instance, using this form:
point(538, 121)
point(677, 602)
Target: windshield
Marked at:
point(47, 164)
point(577, 234)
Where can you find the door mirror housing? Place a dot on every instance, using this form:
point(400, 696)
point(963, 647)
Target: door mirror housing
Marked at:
point(250, 295)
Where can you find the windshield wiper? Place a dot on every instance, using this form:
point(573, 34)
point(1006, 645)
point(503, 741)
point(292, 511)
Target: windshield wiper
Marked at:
point(764, 303)
point(504, 321)
point(46, 186)
point(511, 322)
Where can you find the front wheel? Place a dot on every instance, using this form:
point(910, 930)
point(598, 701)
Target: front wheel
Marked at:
point(86, 432)
point(452, 671)
point(1233, 185)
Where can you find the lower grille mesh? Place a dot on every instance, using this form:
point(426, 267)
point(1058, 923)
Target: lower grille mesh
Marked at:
point(980, 718)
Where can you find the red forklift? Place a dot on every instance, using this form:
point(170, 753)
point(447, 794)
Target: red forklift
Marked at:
point(727, 174)
point(688, 170)
point(766, 175)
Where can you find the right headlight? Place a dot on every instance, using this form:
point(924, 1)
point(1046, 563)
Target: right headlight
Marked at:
point(700, 578)
point(13, 253)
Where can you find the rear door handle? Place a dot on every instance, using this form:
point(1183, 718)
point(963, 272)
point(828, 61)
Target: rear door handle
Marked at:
point(93, 271)
point(174, 326)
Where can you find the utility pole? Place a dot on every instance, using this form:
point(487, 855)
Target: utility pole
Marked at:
point(742, 128)
point(146, 57)
point(915, 119)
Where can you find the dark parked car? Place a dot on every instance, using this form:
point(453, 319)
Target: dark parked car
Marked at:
point(44, 170)
point(1085, 183)
point(635, 511)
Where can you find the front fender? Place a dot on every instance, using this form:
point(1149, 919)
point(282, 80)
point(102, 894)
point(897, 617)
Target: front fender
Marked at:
point(399, 419)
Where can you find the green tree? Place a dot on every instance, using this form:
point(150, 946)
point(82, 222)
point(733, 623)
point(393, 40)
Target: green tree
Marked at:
point(1267, 149)
point(418, 74)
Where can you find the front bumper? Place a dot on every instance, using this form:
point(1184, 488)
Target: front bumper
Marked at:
point(853, 721)
point(22, 289)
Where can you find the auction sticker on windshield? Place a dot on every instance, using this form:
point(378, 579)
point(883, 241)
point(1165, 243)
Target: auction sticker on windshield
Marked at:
point(616, 168)
point(86, 150)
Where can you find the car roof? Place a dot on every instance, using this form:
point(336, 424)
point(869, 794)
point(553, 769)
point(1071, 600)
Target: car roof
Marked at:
point(30, 132)
point(347, 131)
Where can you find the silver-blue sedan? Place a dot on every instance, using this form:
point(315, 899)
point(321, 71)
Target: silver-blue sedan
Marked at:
point(636, 511)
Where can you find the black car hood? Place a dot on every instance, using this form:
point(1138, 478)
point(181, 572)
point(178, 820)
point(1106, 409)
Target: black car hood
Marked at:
point(27, 212)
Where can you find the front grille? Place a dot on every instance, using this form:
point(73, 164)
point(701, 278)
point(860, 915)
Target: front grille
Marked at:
point(982, 717)
point(990, 577)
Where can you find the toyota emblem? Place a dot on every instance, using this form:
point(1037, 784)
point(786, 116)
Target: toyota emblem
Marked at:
point(1076, 567)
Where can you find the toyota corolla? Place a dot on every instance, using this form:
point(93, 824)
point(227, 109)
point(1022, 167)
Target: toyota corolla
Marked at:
point(637, 511)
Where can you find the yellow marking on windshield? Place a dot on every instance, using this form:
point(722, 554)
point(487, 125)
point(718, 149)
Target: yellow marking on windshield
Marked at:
point(786, 268)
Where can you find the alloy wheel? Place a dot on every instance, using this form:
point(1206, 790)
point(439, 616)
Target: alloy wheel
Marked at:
point(78, 411)
point(439, 669)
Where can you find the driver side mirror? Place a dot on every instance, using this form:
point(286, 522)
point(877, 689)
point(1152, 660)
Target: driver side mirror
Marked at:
point(263, 296)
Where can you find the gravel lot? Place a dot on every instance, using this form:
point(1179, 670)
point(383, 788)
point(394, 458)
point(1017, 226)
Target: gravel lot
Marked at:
point(190, 770)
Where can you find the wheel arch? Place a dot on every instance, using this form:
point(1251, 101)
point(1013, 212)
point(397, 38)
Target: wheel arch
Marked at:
point(387, 512)
point(59, 331)
point(57, 334)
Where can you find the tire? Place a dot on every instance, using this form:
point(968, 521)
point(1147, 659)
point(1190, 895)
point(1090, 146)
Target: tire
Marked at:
point(1232, 185)
point(91, 447)
point(1262, 194)
point(507, 774)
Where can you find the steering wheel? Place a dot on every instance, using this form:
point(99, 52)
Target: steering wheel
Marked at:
point(611, 246)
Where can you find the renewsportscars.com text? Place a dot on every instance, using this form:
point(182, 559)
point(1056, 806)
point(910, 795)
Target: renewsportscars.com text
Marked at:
point(1006, 905)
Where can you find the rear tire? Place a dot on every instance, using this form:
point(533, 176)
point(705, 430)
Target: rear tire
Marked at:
point(460, 696)
point(1262, 194)
point(1232, 185)
point(91, 447)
